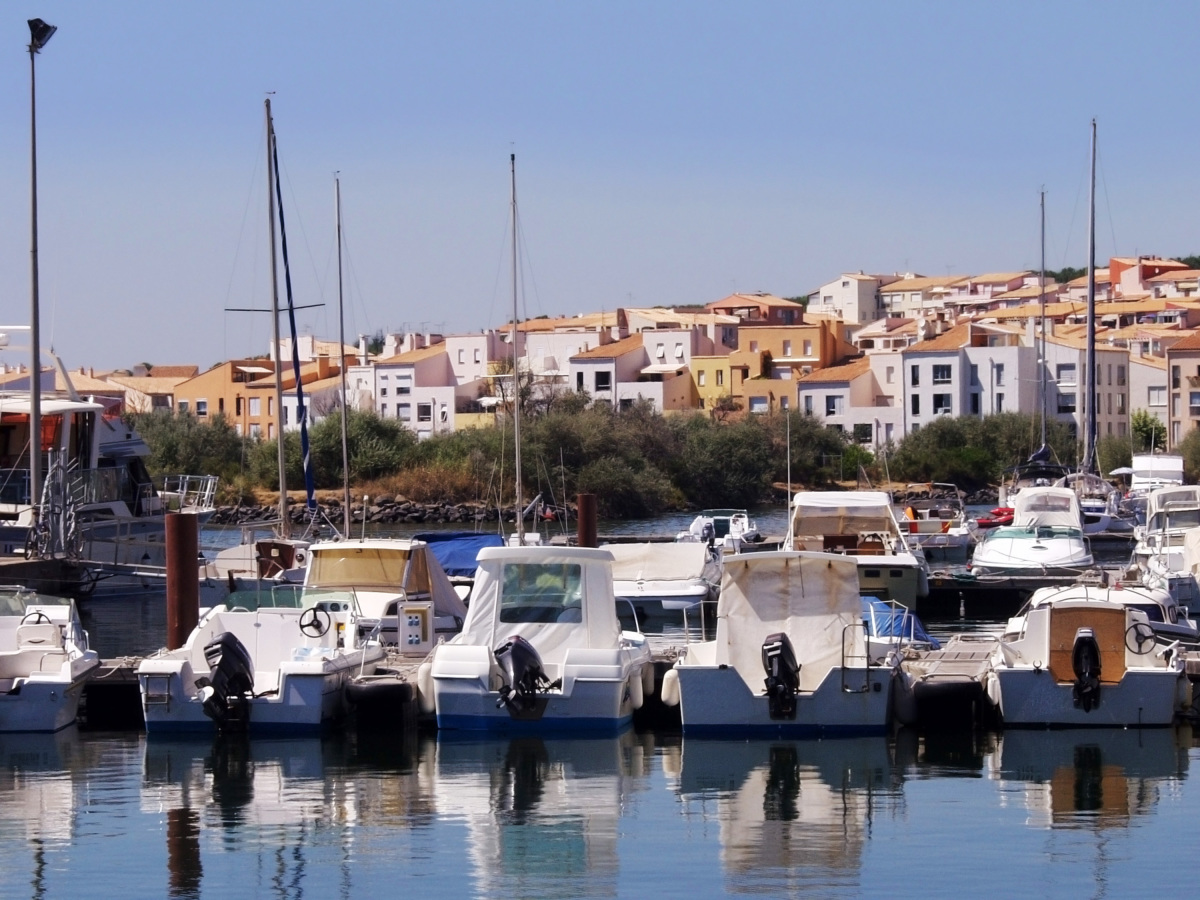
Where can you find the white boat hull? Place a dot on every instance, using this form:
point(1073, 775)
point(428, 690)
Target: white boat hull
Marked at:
point(311, 695)
point(1029, 696)
point(598, 692)
point(44, 704)
point(714, 700)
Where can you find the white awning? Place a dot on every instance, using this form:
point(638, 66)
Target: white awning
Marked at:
point(663, 369)
point(255, 370)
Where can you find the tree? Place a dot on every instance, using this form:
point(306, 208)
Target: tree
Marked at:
point(1149, 433)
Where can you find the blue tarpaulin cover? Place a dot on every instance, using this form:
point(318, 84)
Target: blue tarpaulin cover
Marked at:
point(457, 550)
point(884, 620)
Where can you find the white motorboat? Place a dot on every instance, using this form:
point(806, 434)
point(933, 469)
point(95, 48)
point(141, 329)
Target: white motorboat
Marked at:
point(728, 527)
point(259, 667)
point(663, 579)
point(863, 526)
point(1171, 512)
point(790, 655)
point(937, 520)
point(1085, 661)
point(44, 661)
point(1099, 503)
point(1045, 537)
point(1166, 616)
point(541, 649)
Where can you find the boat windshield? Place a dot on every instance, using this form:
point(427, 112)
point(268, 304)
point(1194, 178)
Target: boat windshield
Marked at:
point(293, 596)
point(380, 568)
point(1174, 520)
point(17, 601)
point(542, 592)
point(1016, 532)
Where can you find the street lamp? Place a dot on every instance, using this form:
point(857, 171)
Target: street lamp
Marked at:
point(39, 34)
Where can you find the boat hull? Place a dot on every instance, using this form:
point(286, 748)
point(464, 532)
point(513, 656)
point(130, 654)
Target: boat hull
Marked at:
point(1147, 698)
point(715, 701)
point(42, 705)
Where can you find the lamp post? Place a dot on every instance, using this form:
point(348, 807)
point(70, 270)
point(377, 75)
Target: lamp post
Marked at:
point(39, 34)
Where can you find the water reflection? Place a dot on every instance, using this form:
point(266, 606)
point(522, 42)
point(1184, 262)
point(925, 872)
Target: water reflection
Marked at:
point(1101, 778)
point(542, 815)
point(792, 815)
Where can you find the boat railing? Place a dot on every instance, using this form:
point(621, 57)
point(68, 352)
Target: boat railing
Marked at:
point(193, 492)
point(856, 676)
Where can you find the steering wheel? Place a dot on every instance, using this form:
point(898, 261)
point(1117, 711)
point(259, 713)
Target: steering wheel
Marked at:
point(37, 617)
point(1139, 637)
point(314, 622)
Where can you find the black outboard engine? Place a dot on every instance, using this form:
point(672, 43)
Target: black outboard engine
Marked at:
point(1085, 662)
point(229, 684)
point(783, 676)
point(522, 667)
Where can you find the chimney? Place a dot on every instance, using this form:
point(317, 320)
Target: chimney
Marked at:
point(362, 349)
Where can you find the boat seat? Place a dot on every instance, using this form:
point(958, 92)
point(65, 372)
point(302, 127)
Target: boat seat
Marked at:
point(42, 635)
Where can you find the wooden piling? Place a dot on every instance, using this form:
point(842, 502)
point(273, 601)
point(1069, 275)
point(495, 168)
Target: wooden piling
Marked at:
point(586, 533)
point(183, 581)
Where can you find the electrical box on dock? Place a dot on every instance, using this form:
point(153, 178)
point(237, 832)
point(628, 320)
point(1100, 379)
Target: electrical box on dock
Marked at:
point(414, 628)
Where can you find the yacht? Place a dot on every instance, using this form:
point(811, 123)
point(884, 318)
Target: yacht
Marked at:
point(654, 580)
point(44, 661)
point(1045, 537)
point(861, 525)
point(541, 650)
point(937, 520)
point(1167, 618)
point(790, 656)
point(728, 527)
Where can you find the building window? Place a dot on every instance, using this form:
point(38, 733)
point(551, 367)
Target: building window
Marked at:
point(720, 377)
point(183, 407)
point(785, 403)
point(1120, 376)
point(424, 412)
point(1175, 378)
point(941, 404)
point(1066, 403)
point(862, 434)
point(1110, 374)
point(889, 374)
point(604, 381)
point(270, 408)
point(660, 352)
point(286, 415)
point(916, 404)
point(974, 404)
point(758, 404)
point(701, 377)
point(255, 406)
point(1065, 374)
point(1156, 396)
point(941, 374)
point(999, 403)
point(221, 405)
point(679, 351)
point(383, 410)
point(754, 346)
point(974, 374)
point(999, 373)
point(202, 408)
point(787, 348)
point(237, 406)
point(404, 412)
point(808, 404)
point(255, 430)
point(807, 349)
point(476, 354)
point(916, 376)
point(1120, 404)
point(579, 381)
point(383, 392)
point(834, 404)
point(462, 356)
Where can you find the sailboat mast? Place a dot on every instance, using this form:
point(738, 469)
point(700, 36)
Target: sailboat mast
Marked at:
point(284, 522)
point(1089, 445)
point(337, 202)
point(516, 394)
point(1042, 298)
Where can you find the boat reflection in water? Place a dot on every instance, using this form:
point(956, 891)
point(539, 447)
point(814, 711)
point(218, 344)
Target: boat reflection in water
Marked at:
point(793, 815)
point(543, 815)
point(1094, 778)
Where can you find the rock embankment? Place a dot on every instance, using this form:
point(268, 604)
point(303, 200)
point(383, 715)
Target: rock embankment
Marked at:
point(380, 510)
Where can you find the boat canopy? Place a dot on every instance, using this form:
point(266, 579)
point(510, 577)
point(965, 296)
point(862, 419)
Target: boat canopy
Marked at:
point(659, 562)
point(1047, 506)
point(557, 598)
point(457, 551)
point(811, 597)
point(842, 512)
point(384, 565)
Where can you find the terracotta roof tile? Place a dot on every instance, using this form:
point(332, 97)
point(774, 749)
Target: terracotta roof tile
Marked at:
point(845, 371)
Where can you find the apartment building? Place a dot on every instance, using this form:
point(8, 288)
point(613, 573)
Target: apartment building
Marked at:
point(1183, 388)
point(854, 298)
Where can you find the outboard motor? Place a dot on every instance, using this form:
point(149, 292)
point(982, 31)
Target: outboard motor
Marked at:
point(227, 688)
point(783, 676)
point(1085, 662)
point(522, 667)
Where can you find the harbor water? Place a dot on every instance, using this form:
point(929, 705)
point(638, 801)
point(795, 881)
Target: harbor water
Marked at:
point(1076, 813)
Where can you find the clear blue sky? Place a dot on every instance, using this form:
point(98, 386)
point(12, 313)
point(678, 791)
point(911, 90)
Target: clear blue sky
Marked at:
point(667, 153)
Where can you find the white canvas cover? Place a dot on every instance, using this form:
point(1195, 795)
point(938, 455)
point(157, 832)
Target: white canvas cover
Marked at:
point(589, 609)
point(1179, 497)
point(1151, 470)
point(842, 512)
point(1191, 551)
point(1047, 506)
point(384, 564)
point(812, 597)
point(658, 562)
